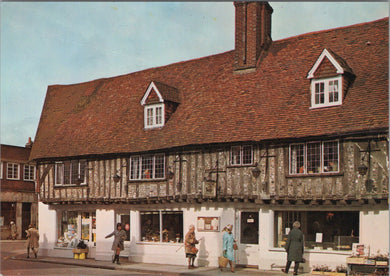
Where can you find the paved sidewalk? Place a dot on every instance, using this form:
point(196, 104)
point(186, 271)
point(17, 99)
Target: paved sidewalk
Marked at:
point(152, 269)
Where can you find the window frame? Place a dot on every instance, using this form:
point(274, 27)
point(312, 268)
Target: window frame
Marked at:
point(29, 178)
point(140, 166)
point(241, 157)
point(79, 170)
point(13, 168)
point(154, 116)
point(323, 168)
point(1, 170)
point(327, 92)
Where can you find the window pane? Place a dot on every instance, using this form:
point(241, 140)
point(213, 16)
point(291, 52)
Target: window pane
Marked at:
point(333, 91)
point(12, 171)
point(235, 156)
point(158, 115)
point(149, 119)
point(147, 167)
point(59, 173)
point(297, 154)
point(150, 226)
point(172, 225)
point(331, 156)
point(313, 157)
point(159, 166)
point(67, 172)
point(67, 229)
point(134, 168)
point(29, 172)
point(246, 155)
point(85, 225)
point(74, 171)
point(82, 166)
point(319, 93)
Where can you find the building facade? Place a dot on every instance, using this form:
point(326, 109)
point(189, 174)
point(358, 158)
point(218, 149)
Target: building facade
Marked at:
point(257, 137)
point(19, 202)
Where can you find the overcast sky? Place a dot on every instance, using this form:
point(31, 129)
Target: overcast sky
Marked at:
point(46, 43)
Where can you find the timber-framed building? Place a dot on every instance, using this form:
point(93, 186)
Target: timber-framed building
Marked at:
point(258, 137)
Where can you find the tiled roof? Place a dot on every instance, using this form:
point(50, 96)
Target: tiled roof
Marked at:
point(217, 105)
point(14, 154)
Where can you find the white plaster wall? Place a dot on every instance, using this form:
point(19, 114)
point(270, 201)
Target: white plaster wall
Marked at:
point(374, 230)
point(47, 229)
point(105, 224)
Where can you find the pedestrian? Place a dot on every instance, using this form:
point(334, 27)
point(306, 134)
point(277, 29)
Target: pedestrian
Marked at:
point(118, 243)
point(32, 240)
point(190, 248)
point(228, 243)
point(14, 234)
point(294, 248)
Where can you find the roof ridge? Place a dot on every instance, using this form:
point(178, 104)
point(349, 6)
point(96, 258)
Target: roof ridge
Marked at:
point(333, 29)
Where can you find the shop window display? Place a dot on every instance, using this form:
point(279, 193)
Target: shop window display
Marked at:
point(323, 230)
point(162, 226)
point(73, 226)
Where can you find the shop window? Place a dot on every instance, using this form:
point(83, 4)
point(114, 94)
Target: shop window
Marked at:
point(73, 226)
point(162, 226)
point(323, 230)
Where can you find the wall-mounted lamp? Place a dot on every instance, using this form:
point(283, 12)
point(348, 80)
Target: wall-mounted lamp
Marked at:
point(256, 171)
point(362, 169)
point(117, 177)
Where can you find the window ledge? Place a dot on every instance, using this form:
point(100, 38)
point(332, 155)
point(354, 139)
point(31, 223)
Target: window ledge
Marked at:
point(71, 185)
point(315, 175)
point(240, 166)
point(159, 243)
point(324, 251)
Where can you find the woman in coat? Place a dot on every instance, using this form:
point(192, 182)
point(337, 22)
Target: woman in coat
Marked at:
point(294, 248)
point(118, 243)
point(228, 242)
point(32, 240)
point(189, 243)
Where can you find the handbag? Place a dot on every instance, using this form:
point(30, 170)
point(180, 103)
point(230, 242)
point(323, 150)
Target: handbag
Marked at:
point(222, 262)
point(235, 246)
point(194, 250)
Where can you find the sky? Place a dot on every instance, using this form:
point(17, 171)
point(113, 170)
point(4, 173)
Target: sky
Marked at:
point(47, 43)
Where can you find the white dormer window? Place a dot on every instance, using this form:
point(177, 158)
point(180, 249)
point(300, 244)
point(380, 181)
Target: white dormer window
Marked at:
point(154, 115)
point(326, 92)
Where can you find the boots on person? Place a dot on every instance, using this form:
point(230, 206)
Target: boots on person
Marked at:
point(114, 259)
point(28, 252)
point(117, 259)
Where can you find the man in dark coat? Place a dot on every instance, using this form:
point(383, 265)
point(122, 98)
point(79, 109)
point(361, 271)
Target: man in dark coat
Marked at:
point(294, 248)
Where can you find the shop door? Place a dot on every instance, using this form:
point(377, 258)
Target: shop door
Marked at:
point(124, 218)
point(247, 236)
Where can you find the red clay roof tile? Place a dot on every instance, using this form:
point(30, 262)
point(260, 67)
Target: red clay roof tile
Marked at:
point(217, 105)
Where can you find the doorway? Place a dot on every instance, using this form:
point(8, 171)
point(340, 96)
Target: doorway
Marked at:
point(248, 238)
point(26, 218)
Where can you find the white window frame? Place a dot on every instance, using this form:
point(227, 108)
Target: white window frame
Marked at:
point(139, 167)
point(326, 82)
point(1, 170)
point(322, 166)
point(241, 161)
point(71, 174)
point(14, 165)
point(154, 122)
point(30, 177)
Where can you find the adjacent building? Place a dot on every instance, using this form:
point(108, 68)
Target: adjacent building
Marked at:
point(258, 137)
point(19, 202)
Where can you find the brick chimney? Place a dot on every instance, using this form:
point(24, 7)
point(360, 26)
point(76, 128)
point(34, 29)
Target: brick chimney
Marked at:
point(253, 33)
point(29, 143)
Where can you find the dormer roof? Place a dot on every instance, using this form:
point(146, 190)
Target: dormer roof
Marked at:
point(162, 92)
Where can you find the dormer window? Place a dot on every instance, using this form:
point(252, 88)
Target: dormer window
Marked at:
point(159, 101)
point(327, 80)
point(326, 92)
point(154, 115)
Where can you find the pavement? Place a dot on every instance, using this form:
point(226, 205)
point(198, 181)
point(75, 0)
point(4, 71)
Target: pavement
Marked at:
point(152, 269)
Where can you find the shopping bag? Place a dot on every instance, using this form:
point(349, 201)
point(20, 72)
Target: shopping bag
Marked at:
point(194, 250)
point(222, 261)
